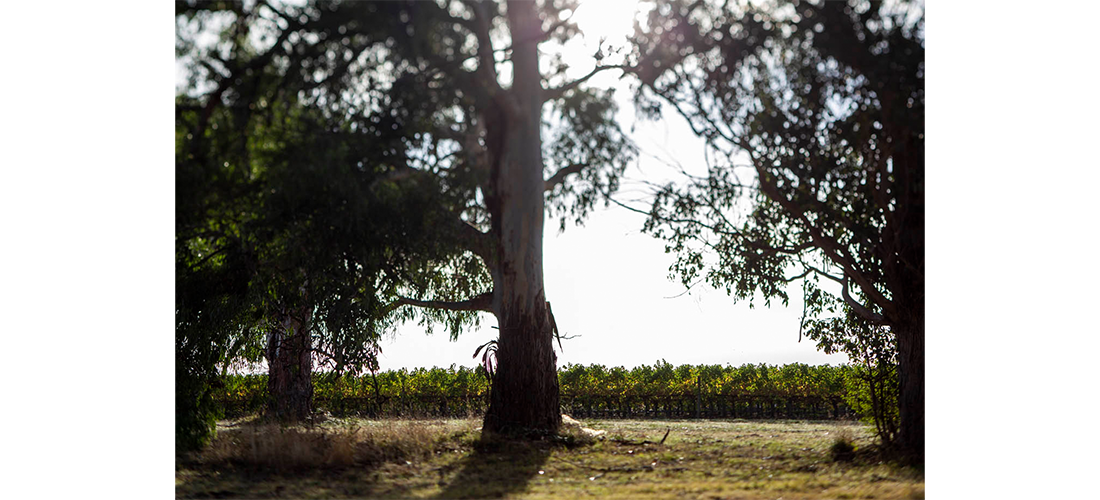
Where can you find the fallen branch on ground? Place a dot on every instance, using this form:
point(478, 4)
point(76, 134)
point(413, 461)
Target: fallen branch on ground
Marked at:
point(639, 443)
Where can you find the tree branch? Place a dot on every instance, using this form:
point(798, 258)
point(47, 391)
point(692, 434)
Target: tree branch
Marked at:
point(486, 68)
point(213, 99)
point(486, 60)
point(827, 244)
point(560, 175)
point(856, 306)
point(473, 238)
point(797, 277)
point(479, 242)
point(482, 302)
point(397, 174)
point(556, 93)
point(679, 221)
point(208, 257)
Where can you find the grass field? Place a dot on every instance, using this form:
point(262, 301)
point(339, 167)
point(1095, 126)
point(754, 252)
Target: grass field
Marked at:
point(709, 459)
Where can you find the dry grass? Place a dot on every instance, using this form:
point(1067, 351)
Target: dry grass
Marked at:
point(450, 459)
point(333, 444)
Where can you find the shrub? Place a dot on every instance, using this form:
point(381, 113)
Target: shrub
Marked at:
point(872, 381)
point(843, 448)
point(873, 394)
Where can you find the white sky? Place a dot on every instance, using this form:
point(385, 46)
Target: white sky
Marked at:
point(608, 282)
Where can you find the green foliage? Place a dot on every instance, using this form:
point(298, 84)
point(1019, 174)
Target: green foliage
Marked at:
point(873, 393)
point(872, 382)
point(270, 211)
point(196, 412)
point(210, 304)
point(661, 379)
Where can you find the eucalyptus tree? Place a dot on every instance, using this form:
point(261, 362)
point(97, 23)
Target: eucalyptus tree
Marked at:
point(813, 113)
point(299, 234)
point(454, 99)
point(477, 75)
point(287, 202)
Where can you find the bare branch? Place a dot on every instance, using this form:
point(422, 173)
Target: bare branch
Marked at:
point(486, 60)
point(208, 257)
point(556, 93)
point(832, 248)
point(560, 175)
point(680, 221)
point(486, 67)
point(797, 277)
point(856, 306)
point(686, 291)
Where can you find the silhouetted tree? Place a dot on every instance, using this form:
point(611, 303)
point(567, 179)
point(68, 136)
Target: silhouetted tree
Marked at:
point(814, 117)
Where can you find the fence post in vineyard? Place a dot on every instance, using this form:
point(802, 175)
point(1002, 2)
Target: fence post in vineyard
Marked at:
point(406, 407)
point(698, 394)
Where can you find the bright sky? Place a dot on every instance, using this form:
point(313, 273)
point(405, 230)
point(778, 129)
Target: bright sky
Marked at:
point(608, 283)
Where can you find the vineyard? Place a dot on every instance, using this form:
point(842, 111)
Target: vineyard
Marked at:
point(796, 391)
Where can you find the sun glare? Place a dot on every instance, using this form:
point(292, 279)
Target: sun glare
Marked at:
point(605, 26)
point(611, 20)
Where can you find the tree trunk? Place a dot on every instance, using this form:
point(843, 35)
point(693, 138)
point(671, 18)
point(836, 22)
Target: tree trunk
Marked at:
point(911, 384)
point(524, 395)
point(289, 383)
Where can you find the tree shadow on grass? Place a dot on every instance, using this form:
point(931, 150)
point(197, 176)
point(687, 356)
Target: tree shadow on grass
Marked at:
point(497, 467)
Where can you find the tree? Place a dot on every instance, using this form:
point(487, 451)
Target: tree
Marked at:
point(459, 88)
point(279, 225)
point(291, 204)
point(495, 126)
point(814, 117)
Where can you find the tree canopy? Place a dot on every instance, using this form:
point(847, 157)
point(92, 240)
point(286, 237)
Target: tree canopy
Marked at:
point(813, 115)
